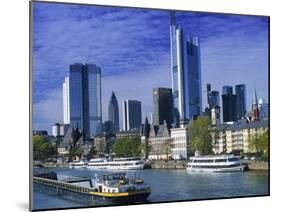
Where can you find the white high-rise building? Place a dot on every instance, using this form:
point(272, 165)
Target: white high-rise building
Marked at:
point(66, 113)
point(131, 115)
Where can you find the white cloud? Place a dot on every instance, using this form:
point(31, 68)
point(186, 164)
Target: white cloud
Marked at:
point(48, 110)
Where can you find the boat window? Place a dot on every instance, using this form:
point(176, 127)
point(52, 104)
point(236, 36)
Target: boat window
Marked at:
point(220, 160)
point(233, 159)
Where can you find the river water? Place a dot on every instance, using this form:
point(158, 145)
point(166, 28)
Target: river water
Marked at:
point(171, 185)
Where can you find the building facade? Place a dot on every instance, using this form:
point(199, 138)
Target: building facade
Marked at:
point(215, 115)
point(212, 97)
point(240, 91)
point(113, 112)
point(131, 115)
point(234, 138)
point(66, 111)
point(162, 106)
point(263, 109)
point(186, 73)
point(159, 141)
point(228, 104)
point(227, 90)
point(181, 148)
point(85, 98)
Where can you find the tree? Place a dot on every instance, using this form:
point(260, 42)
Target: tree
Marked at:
point(127, 147)
point(74, 151)
point(91, 153)
point(146, 148)
point(166, 148)
point(259, 143)
point(200, 135)
point(42, 148)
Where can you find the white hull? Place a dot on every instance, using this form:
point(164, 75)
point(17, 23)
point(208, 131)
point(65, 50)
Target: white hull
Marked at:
point(96, 167)
point(122, 164)
point(135, 167)
point(230, 169)
point(77, 167)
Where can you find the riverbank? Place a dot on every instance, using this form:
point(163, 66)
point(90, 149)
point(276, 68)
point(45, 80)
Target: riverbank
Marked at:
point(257, 165)
point(173, 164)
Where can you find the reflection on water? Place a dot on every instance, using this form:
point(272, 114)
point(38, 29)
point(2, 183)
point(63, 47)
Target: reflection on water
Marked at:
point(169, 185)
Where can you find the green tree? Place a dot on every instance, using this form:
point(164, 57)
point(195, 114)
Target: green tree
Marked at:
point(259, 144)
point(127, 147)
point(200, 135)
point(166, 148)
point(146, 149)
point(91, 153)
point(74, 151)
point(42, 148)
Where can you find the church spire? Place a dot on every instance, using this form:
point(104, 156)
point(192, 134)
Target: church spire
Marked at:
point(255, 108)
point(255, 99)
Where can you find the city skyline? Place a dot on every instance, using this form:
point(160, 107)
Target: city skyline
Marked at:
point(148, 68)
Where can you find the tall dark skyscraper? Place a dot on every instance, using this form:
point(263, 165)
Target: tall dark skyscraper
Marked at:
point(162, 106)
point(212, 97)
point(240, 91)
point(131, 114)
point(85, 98)
point(113, 112)
point(186, 73)
point(228, 104)
point(227, 89)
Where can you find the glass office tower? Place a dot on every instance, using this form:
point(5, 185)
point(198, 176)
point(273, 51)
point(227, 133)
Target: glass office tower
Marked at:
point(85, 98)
point(162, 106)
point(228, 104)
point(131, 114)
point(240, 91)
point(186, 74)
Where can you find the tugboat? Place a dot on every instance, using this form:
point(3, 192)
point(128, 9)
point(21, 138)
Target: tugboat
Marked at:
point(117, 188)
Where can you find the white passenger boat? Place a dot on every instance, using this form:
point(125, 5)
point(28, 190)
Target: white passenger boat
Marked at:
point(215, 163)
point(131, 163)
point(78, 164)
point(98, 163)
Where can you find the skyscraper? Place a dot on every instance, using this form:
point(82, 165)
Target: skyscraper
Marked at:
point(66, 112)
point(227, 89)
point(263, 108)
point(240, 91)
point(113, 112)
point(214, 99)
point(131, 114)
point(85, 98)
point(186, 73)
point(228, 104)
point(162, 106)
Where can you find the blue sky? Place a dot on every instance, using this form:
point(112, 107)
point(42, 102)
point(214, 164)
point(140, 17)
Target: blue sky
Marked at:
point(132, 48)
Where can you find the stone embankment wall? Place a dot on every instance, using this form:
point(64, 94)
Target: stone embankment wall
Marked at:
point(168, 164)
point(258, 165)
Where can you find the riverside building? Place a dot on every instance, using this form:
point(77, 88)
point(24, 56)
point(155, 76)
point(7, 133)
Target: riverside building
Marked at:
point(234, 138)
